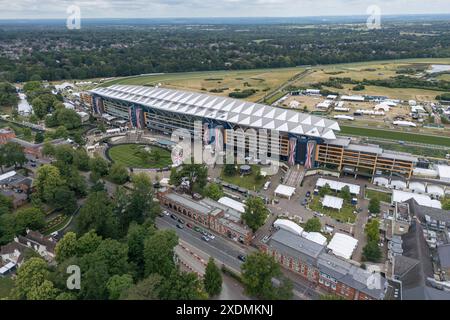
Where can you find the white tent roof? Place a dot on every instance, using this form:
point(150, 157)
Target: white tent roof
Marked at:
point(233, 204)
point(417, 186)
point(444, 172)
point(7, 175)
point(315, 237)
point(381, 181)
point(399, 184)
point(423, 200)
point(333, 202)
point(436, 190)
point(289, 226)
point(342, 245)
point(285, 190)
point(425, 172)
point(336, 185)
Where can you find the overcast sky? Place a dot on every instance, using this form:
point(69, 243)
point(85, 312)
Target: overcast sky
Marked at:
point(41, 9)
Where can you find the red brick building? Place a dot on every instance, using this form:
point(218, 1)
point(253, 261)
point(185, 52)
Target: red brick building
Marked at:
point(6, 134)
point(209, 214)
point(332, 274)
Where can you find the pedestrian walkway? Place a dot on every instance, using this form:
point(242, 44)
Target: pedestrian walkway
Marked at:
point(295, 176)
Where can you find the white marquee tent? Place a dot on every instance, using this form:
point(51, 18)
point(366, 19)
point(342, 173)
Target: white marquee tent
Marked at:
point(289, 226)
point(333, 202)
point(284, 191)
point(337, 186)
point(342, 245)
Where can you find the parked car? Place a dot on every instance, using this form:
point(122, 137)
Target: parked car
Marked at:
point(242, 257)
point(205, 238)
point(304, 202)
point(180, 226)
point(308, 194)
point(318, 214)
point(180, 220)
point(174, 217)
point(197, 229)
point(166, 213)
point(190, 226)
point(211, 236)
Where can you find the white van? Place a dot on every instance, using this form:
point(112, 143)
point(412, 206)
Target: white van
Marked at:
point(267, 185)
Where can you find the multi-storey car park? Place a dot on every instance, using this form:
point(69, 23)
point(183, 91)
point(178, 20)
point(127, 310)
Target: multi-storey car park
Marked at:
point(303, 138)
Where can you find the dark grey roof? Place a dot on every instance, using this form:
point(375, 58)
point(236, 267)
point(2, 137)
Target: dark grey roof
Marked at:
point(434, 213)
point(189, 203)
point(425, 293)
point(444, 255)
point(294, 246)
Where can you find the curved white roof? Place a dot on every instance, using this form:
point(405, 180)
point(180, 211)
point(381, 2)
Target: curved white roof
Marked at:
point(342, 245)
point(233, 204)
point(436, 190)
point(315, 237)
point(423, 200)
point(222, 108)
point(288, 225)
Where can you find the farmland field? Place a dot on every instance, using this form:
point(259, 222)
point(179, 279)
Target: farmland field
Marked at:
point(214, 81)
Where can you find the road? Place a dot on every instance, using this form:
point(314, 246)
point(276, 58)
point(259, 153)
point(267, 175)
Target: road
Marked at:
point(225, 252)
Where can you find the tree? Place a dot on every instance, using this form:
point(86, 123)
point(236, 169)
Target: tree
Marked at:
point(182, 286)
point(48, 149)
point(313, 225)
point(214, 191)
point(158, 252)
point(40, 109)
point(325, 190)
point(99, 168)
point(374, 206)
point(65, 200)
point(373, 230)
point(255, 213)
point(196, 175)
point(118, 173)
point(39, 137)
point(118, 284)
point(345, 194)
point(147, 289)
point(135, 240)
point(141, 205)
point(31, 279)
point(258, 274)
point(31, 218)
point(446, 203)
point(48, 181)
point(229, 170)
point(66, 247)
point(212, 280)
point(44, 291)
point(97, 214)
point(371, 251)
point(88, 243)
point(68, 118)
point(12, 154)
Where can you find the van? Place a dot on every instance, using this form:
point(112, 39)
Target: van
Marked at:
point(267, 185)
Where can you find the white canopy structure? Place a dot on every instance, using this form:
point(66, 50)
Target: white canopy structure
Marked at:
point(423, 200)
point(428, 173)
point(7, 175)
point(398, 184)
point(436, 190)
point(338, 186)
point(289, 226)
point(284, 191)
point(342, 245)
point(444, 173)
point(233, 204)
point(315, 237)
point(333, 202)
point(417, 187)
point(404, 123)
point(381, 181)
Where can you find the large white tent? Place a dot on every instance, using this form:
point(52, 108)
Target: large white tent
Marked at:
point(338, 186)
point(417, 186)
point(289, 226)
point(343, 245)
point(435, 190)
point(233, 204)
point(423, 200)
point(284, 191)
point(333, 202)
point(315, 237)
point(444, 173)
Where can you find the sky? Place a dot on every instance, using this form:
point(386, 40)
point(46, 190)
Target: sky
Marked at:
point(57, 9)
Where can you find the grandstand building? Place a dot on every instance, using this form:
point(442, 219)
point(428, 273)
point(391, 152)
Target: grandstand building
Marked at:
point(303, 138)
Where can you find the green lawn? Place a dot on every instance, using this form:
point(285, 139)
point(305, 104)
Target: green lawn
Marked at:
point(345, 215)
point(248, 182)
point(55, 224)
point(128, 155)
point(396, 135)
point(382, 196)
point(6, 285)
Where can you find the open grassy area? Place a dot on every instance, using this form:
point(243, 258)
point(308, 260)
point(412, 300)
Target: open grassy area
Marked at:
point(248, 182)
point(6, 285)
point(382, 196)
point(396, 135)
point(130, 156)
point(217, 82)
point(344, 215)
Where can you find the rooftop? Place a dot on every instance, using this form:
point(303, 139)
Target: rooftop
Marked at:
point(222, 108)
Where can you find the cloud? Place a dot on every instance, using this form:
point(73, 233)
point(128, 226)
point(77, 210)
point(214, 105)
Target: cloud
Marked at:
point(10, 9)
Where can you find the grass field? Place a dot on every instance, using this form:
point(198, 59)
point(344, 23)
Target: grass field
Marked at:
point(248, 182)
point(128, 155)
point(263, 80)
point(396, 135)
point(6, 285)
point(344, 215)
point(382, 196)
